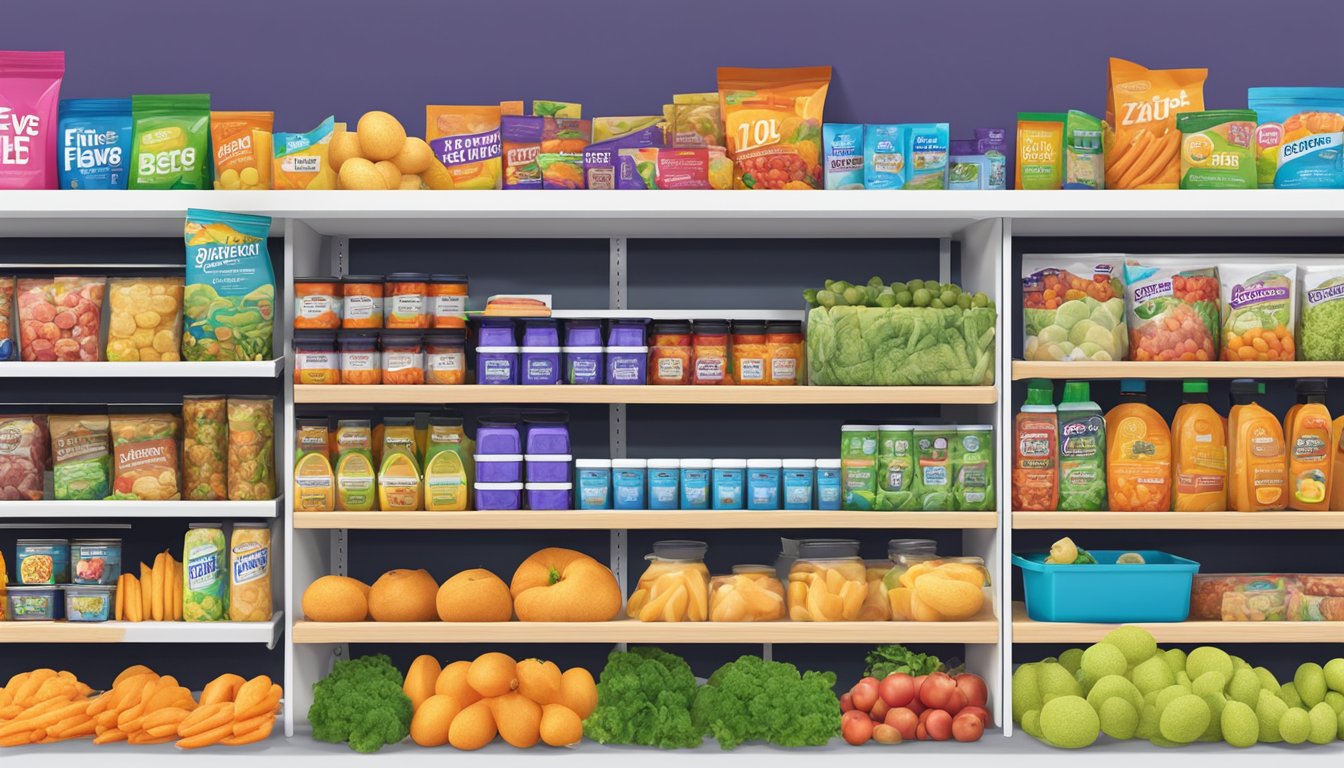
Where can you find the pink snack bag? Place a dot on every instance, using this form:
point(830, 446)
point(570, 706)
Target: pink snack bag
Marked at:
point(30, 88)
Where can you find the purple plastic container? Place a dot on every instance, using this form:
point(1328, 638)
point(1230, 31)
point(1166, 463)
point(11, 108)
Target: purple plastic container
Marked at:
point(583, 333)
point(497, 365)
point(499, 467)
point(499, 496)
point(626, 333)
point(496, 332)
point(547, 468)
point(495, 436)
point(547, 434)
point(627, 365)
point(583, 365)
point(541, 365)
point(549, 495)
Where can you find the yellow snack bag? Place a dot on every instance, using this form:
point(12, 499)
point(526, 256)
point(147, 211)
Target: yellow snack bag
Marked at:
point(772, 125)
point(465, 139)
point(303, 160)
point(1141, 137)
point(242, 145)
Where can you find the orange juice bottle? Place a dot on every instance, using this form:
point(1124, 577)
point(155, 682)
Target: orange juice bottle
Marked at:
point(1259, 470)
point(1310, 463)
point(1199, 463)
point(1138, 453)
point(1337, 461)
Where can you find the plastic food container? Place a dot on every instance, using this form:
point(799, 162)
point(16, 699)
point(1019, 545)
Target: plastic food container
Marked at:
point(664, 476)
point(499, 496)
point(315, 358)
point(549, 495)
point(36, 603)
point(547, 432)
point(671, 356)
point(496, 435)
point(627, 365)
point(89, 603)
point(547, 467)
point(583, 352)
point(749, 593)
point(496, 332)
point(95, 561)
point(317, 303)
point(784, 350)
point(828, 484)
point(675, 586)
point(42, 561)
point(448, 301)
point(1157, 590)
point(710, 346)
point(360, 361)
point(499, 467)
point(799, 478)
point(406, 302)
point(750, 353)
point(763, 483)
point(594, 478)
point(363, 301)
point(730, 483)
point(497, 365)
point(446, 357)
point(1251, 596)
point(828, 581)
point(628, 483)
point(403, 357)
point(540, 365)
point(695, 483)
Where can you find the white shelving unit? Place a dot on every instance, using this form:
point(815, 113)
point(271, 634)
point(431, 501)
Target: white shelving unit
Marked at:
point(253, 369)
point(134, 510)
point(265, 632)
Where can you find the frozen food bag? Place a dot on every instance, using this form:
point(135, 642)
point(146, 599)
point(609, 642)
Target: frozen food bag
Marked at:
point(23, 454)
point(145, 456)
point(229, 302)
point(204, 444)
point(1258, 311)
point(146, 319)
point(30, 89)
point(772, 125)
point(82, 457)
point(1074, 307)
point(59, 318)
point(251, 448)
point(1172, 312)
point(1320, 332)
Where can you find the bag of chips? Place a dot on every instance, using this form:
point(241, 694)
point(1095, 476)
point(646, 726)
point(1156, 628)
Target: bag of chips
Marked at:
point(82, 457)
point(1143, 143)
point(145, 450)
point(772, 124)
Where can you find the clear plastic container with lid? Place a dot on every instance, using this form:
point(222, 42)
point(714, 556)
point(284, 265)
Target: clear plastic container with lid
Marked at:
point(671, 356)
point(317, 303)
point(828, 581)
point(903, 553)
point(749, 593)
point(709, 343)
point(446, 357)
point(363, 301)
point(360, 361)
point(315, 358)
point(675, 586)
point(784, 347)
point(403, 357)
point(448, 301)
point(406, 304)
point(751, 363)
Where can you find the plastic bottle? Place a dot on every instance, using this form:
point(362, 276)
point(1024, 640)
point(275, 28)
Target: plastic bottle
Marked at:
point(1138, 454)
point(1258, 470)
point(1036, 450)
point(1199, 459)
point(1082, 450)
point(1310, 463)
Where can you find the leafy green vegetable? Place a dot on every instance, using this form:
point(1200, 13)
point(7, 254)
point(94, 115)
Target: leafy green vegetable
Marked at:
point(756, 700)
point(901, 346)
point(644, 697)
point(361, 702)
point(888, 659)
point(1321, 336)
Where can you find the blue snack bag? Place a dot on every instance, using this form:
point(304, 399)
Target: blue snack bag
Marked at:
point(884, 161)
point(926, 146)
point(1300, 137)
point(95, 143)
point(228, 306)
point(842, 147)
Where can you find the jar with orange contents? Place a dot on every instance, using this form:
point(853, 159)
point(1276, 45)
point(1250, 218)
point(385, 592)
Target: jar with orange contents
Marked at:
point(784, 350)
point(363, 305)
point(446, 357)
point(448, 301)
point(360, 361)
point(710, 346)
point(315, 358)
point(317, 303)
point(406, 304)
point(671, 353)
point(750, 353)
point(403, 357)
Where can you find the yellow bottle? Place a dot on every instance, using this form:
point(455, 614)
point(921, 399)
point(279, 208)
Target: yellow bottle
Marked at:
point(314, 480)
point(399, 488)
point(355, 478)
point(1259, 471)
point(1138, 454)
point(1199, 466)
point(447, 479)
point(1310, 459)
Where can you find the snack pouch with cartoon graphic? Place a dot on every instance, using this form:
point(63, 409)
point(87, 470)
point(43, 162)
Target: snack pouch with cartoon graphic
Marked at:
point(772, 125)
point(229, 301)
point(467, 141)
point(1300, 137)
point(170, 146)
point(30, 88)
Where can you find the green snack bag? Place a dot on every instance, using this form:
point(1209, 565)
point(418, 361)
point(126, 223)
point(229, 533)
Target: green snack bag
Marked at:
point(895, 467)
point(1084, 161)
point(171, 142)
point(858, 466)
point(973, 468)
point(933, 466)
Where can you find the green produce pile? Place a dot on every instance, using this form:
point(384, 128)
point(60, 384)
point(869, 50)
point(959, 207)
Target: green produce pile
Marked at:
point(644, 697)
point(756, 700)
point(887, 660)
point(916, 333)
point(361, 702)
point(1128, 688)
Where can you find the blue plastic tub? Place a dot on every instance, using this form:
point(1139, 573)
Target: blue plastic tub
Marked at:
point(1158, 590)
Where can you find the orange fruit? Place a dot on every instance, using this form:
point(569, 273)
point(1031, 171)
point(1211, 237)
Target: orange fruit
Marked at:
point(403, 595)
point(474, 595)
point(518, 719)
point(578, 691)
point(336, 598)
point(560, 726)
point(474, 727)
point(493, 674)
point(452, 681)
point(433, 719)
point(420, 680)
point(539, 680)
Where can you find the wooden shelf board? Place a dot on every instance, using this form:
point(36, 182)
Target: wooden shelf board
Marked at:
point(602, 519)
point(410, 394)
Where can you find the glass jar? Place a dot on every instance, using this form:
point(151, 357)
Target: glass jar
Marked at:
point(675, 586)
point(903, 553)
point(750, 353)
point(448, 301)
point(363, 301)
point(827, 582)
point(317, 303)
point(315, 358)
point(360, 361)
point(406, 300)
point(749, 593)
point(446, 357)
point(670, 353)
point(709, 344)
point(403, 357)
point(876, 606)
point(784, 351)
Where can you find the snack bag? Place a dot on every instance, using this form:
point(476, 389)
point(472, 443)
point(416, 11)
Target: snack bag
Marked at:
point(554, 109)
point(926, 146)
point(251, 448)
point(95, 143)
point(1258, 311)
point(561, 170)
point(6, 318)
point(608, 128)
point(662, 168)
point(24, 445)
point(303, 160)
point(170, 141)
point(145, 451)
point(521, 143)
point(82, 457)
point(1320, 333)
point(1084, 160)
point(146, 319)
point(467, 141)
point(1074, 309)
point(229, 302)
point(772, 125)
point(1300, 137)
point(884, 161)
point(59, 318)
point(1172, 312)
point(1143, 142)
point(842, 145)
point(204, 439)
point(30, 87)
point(601, 157)
point(694, 121)
point(565, 136)
point(242, 145)
point(1040, 150)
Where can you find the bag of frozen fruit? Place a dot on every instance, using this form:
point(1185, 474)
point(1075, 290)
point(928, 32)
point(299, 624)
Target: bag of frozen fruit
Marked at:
point(1074, 307)
point(772, 124)
point(1258, 311)
point(1172, 312)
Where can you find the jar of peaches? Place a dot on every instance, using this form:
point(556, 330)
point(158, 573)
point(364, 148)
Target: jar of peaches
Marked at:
point(675, 586)
point(876, 605)
point(749, 593)
point(828, 581)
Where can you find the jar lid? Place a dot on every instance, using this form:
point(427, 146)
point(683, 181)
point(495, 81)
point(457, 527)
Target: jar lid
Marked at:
point(549, 486)
point(983, 427)
point(748, 326)
point(895, 546)
point(318, 279)
point(355, 335)
point(858, 427)
point(680, 549)
point(754, 568)
point(314, 337)
point(934, 428)
point(251, 525)
point(447, 278)
point(629, 463)
point(398, 421)
point(108, 588)
point(800, 463)
point(764, 463)
point(696, 463)
point(408, 277)
point(402, 335)
point(449, 337)
point(362, 279)
point(95, 542)
point(710, 326)
point(784, 326)
point(592, 463)
point(445, 421)
point(826, 549)
point(547, 458)
point(203, 525)
point(730, 463)
point(828, 463)
point(672, 326)
point(498, 486)
point(664, 463)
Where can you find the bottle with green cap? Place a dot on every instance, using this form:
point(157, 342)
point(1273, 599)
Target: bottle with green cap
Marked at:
point(1138, 453)
point(1199, 452)
point(1036, 450)
point(1082, 450)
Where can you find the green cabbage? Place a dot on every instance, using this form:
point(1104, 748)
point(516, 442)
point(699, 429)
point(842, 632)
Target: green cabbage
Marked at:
point(901, 346)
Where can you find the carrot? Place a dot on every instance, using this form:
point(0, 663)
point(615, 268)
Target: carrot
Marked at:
point(14, 740)
point(173, 715)
point(10, 712)
point(206, 718)
point(160, 731)
point(177, 590)
point(76, 730)
point(252, 736)
point(120, 609)
point(1143, 162)
point(264, 706)
point(251, 693)
point(241, 727)
point(145, 738)
point(133, 602)
point(135, 670)
point(222, 688)
point(1141, 141)
point(109, 736)
point(206, 738)
point(146, 592)
point(1170, 143)
point(156, 601)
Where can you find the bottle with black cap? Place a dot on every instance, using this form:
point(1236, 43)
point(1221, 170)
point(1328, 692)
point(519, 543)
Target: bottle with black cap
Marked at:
point(1310, 458)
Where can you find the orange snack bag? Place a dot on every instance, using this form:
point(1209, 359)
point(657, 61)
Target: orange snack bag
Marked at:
point(466, 140)
point(1142, 141)
point(242, 145)
point(772, 124)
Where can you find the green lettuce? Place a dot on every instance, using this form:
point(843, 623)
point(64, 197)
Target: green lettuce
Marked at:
point(901, 346)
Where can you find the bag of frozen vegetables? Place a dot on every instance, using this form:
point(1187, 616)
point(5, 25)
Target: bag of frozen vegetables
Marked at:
point(205, 432)
point(1074, 307)
point(1320, 334)
point(229, 302)
point(1258, 311)
point(82, 464)
point(251, 448)
point(1172, 312)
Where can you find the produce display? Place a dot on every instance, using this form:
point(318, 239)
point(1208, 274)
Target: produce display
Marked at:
point(1127, 688)
point(901, 707)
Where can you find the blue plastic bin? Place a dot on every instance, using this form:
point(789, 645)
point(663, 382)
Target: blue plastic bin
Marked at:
point(1158, 590)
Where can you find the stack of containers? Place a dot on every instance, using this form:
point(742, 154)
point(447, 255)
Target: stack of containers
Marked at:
point(548, 457)
point(627, 352)
point(499, 464)
point(583, 352)
point(540, 352)
point(693, 484)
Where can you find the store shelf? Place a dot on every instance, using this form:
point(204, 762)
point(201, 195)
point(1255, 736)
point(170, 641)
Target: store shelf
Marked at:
point(1175, 369)
point(267, 632)
point(131, 510)
point(679, 314)
point(1027, 631)
point(246, 369)
point(1180, 521)
point(982, 630)
point(436, 394)
point(602, 519)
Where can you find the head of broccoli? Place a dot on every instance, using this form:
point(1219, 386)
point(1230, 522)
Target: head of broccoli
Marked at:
point(361, 702)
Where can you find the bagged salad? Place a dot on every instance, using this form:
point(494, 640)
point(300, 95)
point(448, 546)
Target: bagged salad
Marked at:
point(1320, 332)
point(1258, 311)
point(1172, 312)
point(1074, 307)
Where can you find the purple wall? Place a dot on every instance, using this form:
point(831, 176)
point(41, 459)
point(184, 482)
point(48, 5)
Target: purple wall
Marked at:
point(970, 62)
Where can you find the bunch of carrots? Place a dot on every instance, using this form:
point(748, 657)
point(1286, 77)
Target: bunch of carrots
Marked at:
point(142, 707)
point(1149, 158)
point(155, 596)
